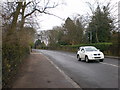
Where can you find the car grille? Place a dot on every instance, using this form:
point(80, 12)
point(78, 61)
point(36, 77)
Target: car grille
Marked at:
point(96, 57)
point(96, 54)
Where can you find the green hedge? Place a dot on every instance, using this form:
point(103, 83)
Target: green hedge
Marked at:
point(12, 56)
point(104, 47)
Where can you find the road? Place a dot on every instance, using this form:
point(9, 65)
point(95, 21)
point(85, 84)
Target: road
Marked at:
point(86, 75)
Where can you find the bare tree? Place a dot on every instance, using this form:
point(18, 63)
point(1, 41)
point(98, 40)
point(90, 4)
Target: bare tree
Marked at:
point(20, 11)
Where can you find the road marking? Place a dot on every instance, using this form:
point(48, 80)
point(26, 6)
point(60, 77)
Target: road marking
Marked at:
point(66, 76)
point(62, 72)
point(109, 64)
point(100, 62)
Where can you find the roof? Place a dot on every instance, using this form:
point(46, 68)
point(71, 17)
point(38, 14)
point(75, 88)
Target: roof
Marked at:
point(87, 46)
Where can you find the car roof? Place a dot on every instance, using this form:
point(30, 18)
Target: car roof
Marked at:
point(87, 47)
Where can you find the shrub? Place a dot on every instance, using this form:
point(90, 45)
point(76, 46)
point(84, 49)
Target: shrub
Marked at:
point(104, 47)
point(15, 47)
point(12, 56)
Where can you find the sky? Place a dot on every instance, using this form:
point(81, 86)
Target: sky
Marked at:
point(69, 9)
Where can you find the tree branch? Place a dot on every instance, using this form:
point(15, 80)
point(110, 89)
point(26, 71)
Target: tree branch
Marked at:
point(54, 15)
point(30, 13)
point(28, 3)
point(43, 10)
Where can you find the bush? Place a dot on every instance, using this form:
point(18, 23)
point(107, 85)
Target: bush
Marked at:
point(104, 47)
point(114, 50)
point(15, 46)
point(12, 56)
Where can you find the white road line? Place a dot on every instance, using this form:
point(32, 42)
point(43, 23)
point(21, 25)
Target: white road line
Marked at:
point(109, 64)
point(74, 57)
point(67, 77)
point(100, 62)
point(62, 72)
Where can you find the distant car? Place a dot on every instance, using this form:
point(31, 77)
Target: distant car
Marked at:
point(89, 53)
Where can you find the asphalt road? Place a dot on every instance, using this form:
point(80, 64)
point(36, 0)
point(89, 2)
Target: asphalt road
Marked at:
point(87, 75)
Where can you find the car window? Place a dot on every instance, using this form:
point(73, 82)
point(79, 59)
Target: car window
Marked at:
point(90, 49)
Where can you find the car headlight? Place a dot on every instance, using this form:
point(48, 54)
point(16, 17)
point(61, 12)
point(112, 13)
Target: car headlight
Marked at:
point(101, 54)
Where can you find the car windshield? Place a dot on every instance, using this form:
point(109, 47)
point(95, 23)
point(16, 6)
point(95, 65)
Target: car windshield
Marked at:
point(90, 49)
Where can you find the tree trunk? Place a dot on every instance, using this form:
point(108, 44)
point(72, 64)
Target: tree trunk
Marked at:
point(96, 34)
point(97, 37)
point(15, 17)
point(11, 37)
point(23, 17)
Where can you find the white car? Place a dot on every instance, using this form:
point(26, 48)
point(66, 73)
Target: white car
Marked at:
point(88, 53)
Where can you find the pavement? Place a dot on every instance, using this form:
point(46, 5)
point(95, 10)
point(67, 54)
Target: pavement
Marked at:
point(39, 72)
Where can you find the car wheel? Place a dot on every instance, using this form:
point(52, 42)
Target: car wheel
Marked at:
point(101, 60)
point(86, 59)
point(79, 59)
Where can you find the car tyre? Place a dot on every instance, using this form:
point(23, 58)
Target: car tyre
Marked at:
point(101, 60)
point(79, 59)
point(86, 59)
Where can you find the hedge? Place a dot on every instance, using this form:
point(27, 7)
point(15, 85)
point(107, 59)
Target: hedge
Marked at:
point(104, 47)
point(12, 56)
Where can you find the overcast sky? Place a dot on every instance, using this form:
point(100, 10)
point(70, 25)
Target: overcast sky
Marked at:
point(71, 8)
